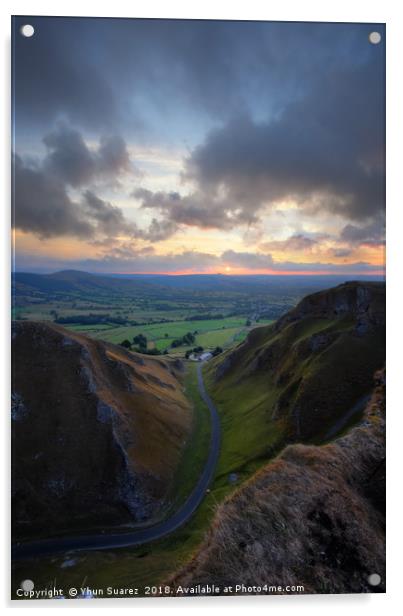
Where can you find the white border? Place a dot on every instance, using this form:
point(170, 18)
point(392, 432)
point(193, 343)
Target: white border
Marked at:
point(287, 10)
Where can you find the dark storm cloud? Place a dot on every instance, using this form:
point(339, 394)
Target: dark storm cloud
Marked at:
point(54, 76)
point(113, 156)
point(160, 230)
point(102, 72)
point(297, 111)
point(373, 233)
point(75, 163)
point(43, 206)
point(326, 151)
point(198, 209)
point(109, 219)
point(42, 202)
point(69, 158)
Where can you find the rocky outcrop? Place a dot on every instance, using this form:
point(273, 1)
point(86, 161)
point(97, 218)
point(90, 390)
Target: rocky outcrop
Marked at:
point(364, 302)
point(97, 432)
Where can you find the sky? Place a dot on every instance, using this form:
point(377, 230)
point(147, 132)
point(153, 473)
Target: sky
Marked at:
point(174, 146)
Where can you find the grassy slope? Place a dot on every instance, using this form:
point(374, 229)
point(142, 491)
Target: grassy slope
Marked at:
point(292, 376)
point(314, 516)
point(252, 437)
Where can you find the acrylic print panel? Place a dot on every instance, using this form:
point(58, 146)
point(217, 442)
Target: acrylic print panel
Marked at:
point(198, 308)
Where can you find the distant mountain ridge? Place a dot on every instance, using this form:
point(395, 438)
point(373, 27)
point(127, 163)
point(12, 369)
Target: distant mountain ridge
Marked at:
point(73, 281)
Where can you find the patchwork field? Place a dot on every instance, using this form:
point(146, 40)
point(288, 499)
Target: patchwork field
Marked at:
point(208, 333)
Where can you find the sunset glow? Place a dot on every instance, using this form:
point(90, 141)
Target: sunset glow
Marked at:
point(209, 171)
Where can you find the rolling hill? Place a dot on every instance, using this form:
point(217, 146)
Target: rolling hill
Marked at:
point(97, 432)
point(73, 282)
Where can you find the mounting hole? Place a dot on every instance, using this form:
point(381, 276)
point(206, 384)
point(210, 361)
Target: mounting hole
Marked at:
point(374, 579)
point(27, 585)
point(27, 30)
point(375, 38)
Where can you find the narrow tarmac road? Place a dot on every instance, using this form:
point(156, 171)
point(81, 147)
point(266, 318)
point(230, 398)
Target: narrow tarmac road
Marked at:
point(144, 535)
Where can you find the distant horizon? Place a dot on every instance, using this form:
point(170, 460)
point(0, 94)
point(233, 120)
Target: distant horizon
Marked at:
point(225, 274)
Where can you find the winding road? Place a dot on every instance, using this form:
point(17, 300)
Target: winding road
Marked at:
point(144, 535)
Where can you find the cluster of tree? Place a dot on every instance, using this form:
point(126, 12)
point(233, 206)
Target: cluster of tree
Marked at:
point(91, 319)
point(198, 349)
point(141, 346)
point(208, 316)
point(153, 351)
point(216, 351)
point(188, 338)
point(140, 341)
point(97, 319)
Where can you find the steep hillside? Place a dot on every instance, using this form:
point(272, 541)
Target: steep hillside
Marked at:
point(97, 431)
point(309, 374)
point(315, 517)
